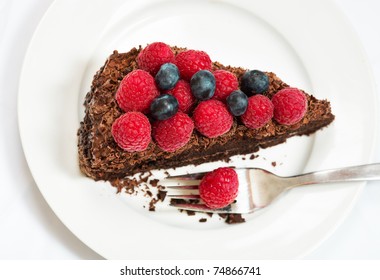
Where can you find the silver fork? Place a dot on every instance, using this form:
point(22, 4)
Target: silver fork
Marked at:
point(261, 187)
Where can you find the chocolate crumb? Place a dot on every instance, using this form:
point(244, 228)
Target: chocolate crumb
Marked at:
point(161, 195)
point(146, 177)
point(274, 163)
point(154, 182)
point(177, 201)
point(149, 193)
point(203, 220)
point(129, 184)
point(190, 213)
point(253, 156)
point(152, 204)
point(234, 219)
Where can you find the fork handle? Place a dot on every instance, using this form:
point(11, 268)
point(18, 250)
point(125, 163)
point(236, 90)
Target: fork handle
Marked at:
point(353, 173)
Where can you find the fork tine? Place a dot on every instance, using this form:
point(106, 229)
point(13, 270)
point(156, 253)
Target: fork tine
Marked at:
point(192, 176)
point(192, 207)
point(187, 187)
point(184, 196)
point(200, 208)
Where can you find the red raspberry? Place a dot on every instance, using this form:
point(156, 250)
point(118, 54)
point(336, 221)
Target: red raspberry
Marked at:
point(131, 131)
point(259, 111)
point(153, 56)
point(185, 98)
point(219, 188)
point(173, 133)
point(226, 82)
point(136, 91)
point(189, 62)
point(212, 118)
point(290, 106)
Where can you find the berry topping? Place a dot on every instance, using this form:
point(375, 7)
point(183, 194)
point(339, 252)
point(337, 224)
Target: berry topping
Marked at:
point(131, 131)
point(167, 77)
point(237, 102)
point(185, 98)
point(189, 62)
point(173, 133)
point(226, 82)
point(153, 56)
point(259, 111)
point(136, 91)
point(164, 107)
point(203, 84)
point(212, 119)
point(254, 82)
point(290, 106)
point(219, 188)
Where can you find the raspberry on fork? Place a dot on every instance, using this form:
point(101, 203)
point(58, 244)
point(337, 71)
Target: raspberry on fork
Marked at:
point(219, 188)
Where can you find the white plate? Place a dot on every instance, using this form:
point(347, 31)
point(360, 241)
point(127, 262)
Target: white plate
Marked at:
point(308, 44)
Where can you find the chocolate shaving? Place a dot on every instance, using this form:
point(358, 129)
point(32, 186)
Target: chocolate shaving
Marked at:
point(154, 182)
point(152, 204)
point(234, 219)
point(161, 195)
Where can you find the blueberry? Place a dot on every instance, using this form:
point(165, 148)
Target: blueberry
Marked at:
point(237, 102)
point(167, 77)
point(202, 84)
point(253, 82)
point(164, 107)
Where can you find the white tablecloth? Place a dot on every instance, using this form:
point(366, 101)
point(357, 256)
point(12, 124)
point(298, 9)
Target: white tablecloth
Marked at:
point(28, 227)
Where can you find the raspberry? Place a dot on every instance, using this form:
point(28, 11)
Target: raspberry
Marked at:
point(290, 106)
point(189, 62)
point(219, 188)
point(131, 131)
point(226, 82)
point(259, 111)
point(182, 92)
point(136, 91)
point(212, 118)
point(153, 56)
point(173, 133)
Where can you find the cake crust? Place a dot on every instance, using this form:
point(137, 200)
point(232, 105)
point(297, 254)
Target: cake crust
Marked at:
point(102, 159)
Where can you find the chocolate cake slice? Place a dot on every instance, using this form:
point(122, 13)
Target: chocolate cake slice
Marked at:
point(101, 158)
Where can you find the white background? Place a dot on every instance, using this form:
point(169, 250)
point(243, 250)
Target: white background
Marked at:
point(28, 227)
